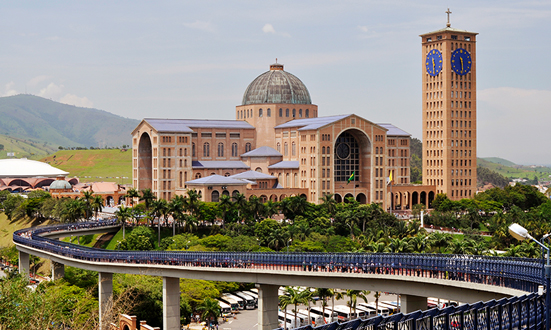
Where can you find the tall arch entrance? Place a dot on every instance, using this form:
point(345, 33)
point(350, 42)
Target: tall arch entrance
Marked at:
point(352, 165)
point(145, 163)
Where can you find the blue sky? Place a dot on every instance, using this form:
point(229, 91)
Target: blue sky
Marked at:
point(194, 59)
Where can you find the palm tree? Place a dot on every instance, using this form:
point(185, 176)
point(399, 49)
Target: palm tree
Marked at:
point(176, 208)
point(87, 197)
point(241, 202)
point(336, 295)
point(277, 239)
point(224, 205)
point(329, 203)
point(123, 214)
point(132, 193)
point(255, 207)
point(75, 210)
point(159, 209)
point(323, 294)
point(283, 303)
point(148, 197)
point(354, 295)
point(309, 295)
point(293, 296)
point(193, 203)
point(377, 295)
point(97, 205)
point(210, 310)
point(270, 208)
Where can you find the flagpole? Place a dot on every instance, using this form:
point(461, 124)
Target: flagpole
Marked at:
point(354, 186)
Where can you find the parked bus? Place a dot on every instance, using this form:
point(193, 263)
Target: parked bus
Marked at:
point(249, 301)
point(225, 309)
point(255, 290)
point(232, 302)
point(240, 301)
point(345, 313)
point(252, 294)
point(392, 309)
point(315, 319)
point(290, 320)
point(369, 312)
point(382, 310)
point(329, 315)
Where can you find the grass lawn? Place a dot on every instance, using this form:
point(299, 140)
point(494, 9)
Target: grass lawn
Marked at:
point(165, 232)
point(87, 240)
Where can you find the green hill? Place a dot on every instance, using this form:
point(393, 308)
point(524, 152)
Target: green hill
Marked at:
point(516, 171)
point(54, 124)
point(31, 149)
point(112, 165)
point(499, 161)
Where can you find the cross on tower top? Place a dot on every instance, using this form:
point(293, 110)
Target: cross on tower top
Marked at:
point(448, 12)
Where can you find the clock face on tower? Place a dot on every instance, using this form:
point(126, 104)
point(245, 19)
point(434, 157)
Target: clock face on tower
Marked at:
point(433, 63)
point(343, 150)
point(461, 61)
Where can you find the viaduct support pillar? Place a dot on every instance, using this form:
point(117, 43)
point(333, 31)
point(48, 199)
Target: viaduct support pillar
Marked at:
point(171, 303)
point(105, 288)
point(24, 264)
point(411, 303)
point(268, 301)
point(58, 270)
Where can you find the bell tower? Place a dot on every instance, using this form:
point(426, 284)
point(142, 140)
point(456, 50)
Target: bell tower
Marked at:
point(449, 111)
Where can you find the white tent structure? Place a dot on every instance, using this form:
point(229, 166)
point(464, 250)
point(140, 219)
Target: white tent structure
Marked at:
point(26, 168)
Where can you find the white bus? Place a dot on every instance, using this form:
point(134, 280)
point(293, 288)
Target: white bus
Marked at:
point(240, 301)
point(393, 309)
point(382, 310)
point(252, 294)
point(290, 320)
point(314, 318)
point(329, 315)
point(233, 303)
point(345, 314)
point(369, 312)
point(249, 301)
point(225, 309)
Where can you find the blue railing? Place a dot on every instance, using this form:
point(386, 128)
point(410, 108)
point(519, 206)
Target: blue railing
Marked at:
point(523, 312)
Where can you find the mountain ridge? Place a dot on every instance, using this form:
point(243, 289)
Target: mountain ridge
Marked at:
point(27, 116)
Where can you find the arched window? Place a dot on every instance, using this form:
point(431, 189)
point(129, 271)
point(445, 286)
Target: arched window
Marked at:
point(234, 149)
point(258, 169)
point(278, 147)
point(287, 181)
point(307, 113)
point(295, 183)
point(206, 149)
point(293, 149)
point(328, 150)
point(259, 112)
point(286, 112)
point(323, 150)
point(286, 149)
point(220, 149)
point(300, 113)
point(280, 112)
point(180, 179)
point(269, 112)
point(294, 113)
point(227, 174)
point(198, 176)
point(185, 152)
point(215, 196)
point(248, 147)
point(193, 149)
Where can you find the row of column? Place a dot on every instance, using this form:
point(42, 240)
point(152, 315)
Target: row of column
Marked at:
point(268, 300)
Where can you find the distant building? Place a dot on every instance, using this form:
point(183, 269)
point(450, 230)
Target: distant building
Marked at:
point(278, 134)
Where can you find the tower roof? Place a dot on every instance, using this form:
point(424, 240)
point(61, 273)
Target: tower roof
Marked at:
point(276, 86)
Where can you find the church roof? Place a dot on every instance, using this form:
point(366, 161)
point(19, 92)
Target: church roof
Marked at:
point(262, 152)
point(286, 164)
point(216, 179)
point(187, 125)
point(276, 86)
point(218, 164)
point(447, 29)
point(311, 123)
point(25, 168)
point(252, 175)
point(394, 131)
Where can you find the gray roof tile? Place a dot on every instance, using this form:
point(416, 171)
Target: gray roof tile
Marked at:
point(187, 125)
point(262, 152)
point(215, 180)
point(294, 164)
point(218, 164)
point(311, 123)
point(393, 130)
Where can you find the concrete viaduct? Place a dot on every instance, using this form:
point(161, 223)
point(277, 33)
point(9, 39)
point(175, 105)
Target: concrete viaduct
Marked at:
point(414, 286)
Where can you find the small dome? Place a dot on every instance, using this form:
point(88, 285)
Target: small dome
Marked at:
point(276, 86)
point(60, 184)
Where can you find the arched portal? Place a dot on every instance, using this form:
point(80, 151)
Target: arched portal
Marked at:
point(145, 163)
point(431, 198)
point(347, 196)
point(338, 198)
point(361, 198)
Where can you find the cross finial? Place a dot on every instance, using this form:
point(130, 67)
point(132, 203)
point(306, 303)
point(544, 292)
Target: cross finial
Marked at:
point(448, 12)
point(276, 59)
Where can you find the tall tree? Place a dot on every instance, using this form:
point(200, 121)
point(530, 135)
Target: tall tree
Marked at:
point(148, 197)
point(324, 294)
point(132, 193)
point(293, 296)
point(87, 197)
point(123, 214)
point(210, 310)
point(97, 205)
point(176, 209)
point(353, 295)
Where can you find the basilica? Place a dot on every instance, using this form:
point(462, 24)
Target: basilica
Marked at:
point(277, 146)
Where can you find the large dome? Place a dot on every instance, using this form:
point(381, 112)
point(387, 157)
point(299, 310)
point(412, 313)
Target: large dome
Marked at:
point(276, 86)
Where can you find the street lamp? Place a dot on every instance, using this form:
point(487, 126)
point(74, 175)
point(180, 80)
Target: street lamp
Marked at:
point(520, 233)
point(289, 241)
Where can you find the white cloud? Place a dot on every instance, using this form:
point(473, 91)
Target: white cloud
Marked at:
point(52, 91)
point(36, 80)
point(363, 28)
point(513, 123)
point(201, 25)
point(9, 90)
point(268, 28)
point(76, 101)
